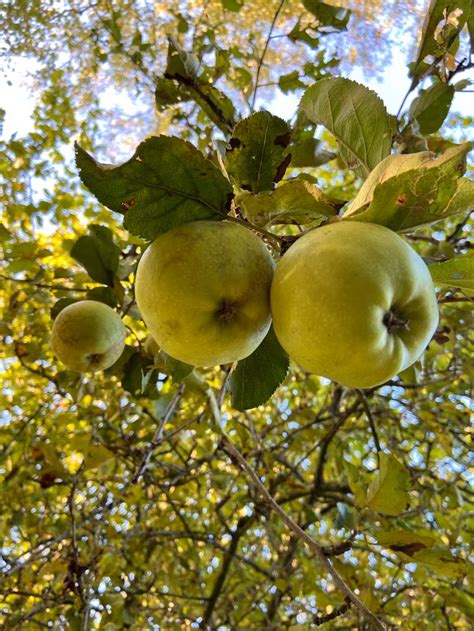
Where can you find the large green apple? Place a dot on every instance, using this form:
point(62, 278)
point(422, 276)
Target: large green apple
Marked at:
point(203, 290)
point(353, 302)
point(88, 336)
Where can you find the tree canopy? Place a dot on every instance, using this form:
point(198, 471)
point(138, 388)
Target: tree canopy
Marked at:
point(155, 495)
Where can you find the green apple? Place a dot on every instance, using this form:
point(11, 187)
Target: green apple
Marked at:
point(353, 302)
point(203, 290)
point(88, 336)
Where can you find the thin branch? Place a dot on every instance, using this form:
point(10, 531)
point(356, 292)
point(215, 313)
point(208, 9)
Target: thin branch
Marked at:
point(339, 611)
point(264, 52)
point(158, 435)
point(324, 445)
point(242, 526)
point(370, 418)
point(292, 525)
point(247, 224)
point(29, 281)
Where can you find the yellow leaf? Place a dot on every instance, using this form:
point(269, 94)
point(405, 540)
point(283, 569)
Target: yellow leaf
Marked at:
point(388, 492)
point(95, 456)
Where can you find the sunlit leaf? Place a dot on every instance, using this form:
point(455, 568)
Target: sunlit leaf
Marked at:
point(388, 492)
point(457, 272)
point(295, 201)
point(356, 116)
point(426, 194)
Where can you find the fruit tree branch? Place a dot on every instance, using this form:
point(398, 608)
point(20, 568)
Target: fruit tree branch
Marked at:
point(370, 418)
point(292, 525)
point(264, 52)
point(229, 556)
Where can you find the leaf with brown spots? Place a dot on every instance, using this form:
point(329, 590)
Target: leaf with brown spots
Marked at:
point(428, 191)
point(167, 182)
point(257, 155)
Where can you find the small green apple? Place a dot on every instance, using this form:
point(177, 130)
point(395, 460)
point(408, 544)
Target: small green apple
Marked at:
point(353, 302)
point(88, 336)
point(203, 290)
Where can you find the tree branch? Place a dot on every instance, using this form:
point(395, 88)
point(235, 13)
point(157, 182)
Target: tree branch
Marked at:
point(292, 525)
point(242, 526)
point(370, 418)
point(264, 52)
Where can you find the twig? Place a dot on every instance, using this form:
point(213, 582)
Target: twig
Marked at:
point(292, 525)
point(229, 555)
point(264, 52)
point(158, 434)
point(325, 441)
point(30, 281)
point(370, 418)
point(251, 226)
point(339, 611)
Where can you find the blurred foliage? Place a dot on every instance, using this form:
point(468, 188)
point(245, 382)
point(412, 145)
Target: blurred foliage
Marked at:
point(121, 506)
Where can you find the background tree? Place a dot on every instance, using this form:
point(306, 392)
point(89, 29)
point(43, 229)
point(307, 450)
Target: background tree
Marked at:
point(133, 498)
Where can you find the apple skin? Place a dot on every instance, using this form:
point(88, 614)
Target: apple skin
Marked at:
point(353, 302)
point(88, 336)
point(203, 290)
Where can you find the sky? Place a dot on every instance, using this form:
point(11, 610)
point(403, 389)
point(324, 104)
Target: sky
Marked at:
point(17, 96)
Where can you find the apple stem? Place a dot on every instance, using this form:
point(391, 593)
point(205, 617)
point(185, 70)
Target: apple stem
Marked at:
point(248, 224)
point(392, 321)
point(226, 310)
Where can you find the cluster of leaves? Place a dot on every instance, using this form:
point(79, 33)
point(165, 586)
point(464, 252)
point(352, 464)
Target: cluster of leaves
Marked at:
point(125, 507)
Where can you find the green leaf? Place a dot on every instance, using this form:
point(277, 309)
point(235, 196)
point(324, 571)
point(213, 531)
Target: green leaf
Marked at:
point(178, 370)
point(389, 167)
point(356, 116)
point(233, 5)
point(166, 183)
point(51, 462)
point(117, 369)
point(5, 235)
point(290, 82)
point(95, 456)
point(168, 92)
point(61, 304)
point(405, 541)
point(456, 598)
point(345, 517)
point(257, 155)
point(295, 201)
point(421, 548)
point(388, 492)
point(135, 378)
point(431, 107)
point(309, 152)
point(433, 47)
point(184, 67)
point(328, 15)
point(418, 196)
point(98, 254)
point(457, 272)
point(106, 295)
point(298, 35)
point(442, 561)
point(180, 63)
point(257, 376)
point(356, 483)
